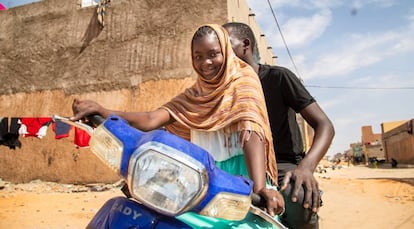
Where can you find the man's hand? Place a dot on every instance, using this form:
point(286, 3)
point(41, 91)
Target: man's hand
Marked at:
point(301, 177)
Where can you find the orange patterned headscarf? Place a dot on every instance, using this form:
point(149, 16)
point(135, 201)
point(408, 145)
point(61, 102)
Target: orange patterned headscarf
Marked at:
point(233, 100)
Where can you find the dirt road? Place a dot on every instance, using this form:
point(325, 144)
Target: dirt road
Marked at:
point(354, 197)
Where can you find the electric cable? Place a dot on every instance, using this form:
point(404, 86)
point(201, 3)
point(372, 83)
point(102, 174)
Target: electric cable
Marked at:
point(284, 41)
point(364, 88)
point(316, 86)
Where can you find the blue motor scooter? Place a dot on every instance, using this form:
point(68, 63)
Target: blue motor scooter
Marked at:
point(170, 182)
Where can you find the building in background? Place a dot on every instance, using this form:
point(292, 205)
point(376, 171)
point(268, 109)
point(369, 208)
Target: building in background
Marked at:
point(307, 132)
point(398, 141)
point(356, 154)
point(395, 143)
point(372, 145)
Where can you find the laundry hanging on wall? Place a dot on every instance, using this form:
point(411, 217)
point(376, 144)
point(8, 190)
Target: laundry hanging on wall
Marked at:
point(61, 129)
point(10, 136)
point(34, 127)
point(81, 138)
point(37, 127)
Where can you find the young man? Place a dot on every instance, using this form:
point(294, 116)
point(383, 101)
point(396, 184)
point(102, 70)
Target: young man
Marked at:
point(285, 96)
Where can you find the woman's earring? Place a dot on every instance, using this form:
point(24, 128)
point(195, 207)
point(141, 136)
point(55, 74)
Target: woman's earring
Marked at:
point(244, 51)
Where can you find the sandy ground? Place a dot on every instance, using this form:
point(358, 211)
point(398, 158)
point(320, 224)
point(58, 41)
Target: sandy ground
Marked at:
point(354, 197)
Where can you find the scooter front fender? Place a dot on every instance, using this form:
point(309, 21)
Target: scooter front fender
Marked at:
point(121, 212)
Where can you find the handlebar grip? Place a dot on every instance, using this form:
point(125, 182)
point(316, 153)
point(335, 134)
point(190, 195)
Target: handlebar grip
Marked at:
point(258, 200)
point(96, 120)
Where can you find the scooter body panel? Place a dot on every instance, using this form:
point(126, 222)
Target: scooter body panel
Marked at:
point(219, 180)
point(121, 212)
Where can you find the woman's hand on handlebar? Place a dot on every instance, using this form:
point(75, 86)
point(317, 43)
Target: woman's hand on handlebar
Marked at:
point(275, 203)
point(84, 108)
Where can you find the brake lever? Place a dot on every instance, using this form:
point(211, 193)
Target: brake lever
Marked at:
point(257, 202)
point(77, 124)
point(264, 215)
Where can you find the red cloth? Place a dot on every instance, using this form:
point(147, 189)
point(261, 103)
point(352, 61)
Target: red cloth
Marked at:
point(81, 138)
point(33, 125)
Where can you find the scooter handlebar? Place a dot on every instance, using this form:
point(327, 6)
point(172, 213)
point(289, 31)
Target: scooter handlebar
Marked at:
point(96, 120)
point(258, 200)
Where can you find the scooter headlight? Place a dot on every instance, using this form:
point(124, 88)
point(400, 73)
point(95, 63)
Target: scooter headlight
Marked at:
point(107, 147)
point(228, 206)
point(166, 179)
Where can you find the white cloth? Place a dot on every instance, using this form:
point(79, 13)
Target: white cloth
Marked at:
point(220, 145)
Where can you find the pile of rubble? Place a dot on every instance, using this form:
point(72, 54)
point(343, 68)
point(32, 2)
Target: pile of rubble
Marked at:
point(40, 186)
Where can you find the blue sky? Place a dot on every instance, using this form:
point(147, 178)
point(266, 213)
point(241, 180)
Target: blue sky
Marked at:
point(356, 45)
point(14, 3)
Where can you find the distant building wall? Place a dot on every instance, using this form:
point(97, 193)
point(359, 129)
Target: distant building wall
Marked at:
point(238, 11)
point(368, 135)
point(375, 150)
point(307, 132)
point(356, 149)
point(387, 126)
point(356, 153)
point(371, 144)
point(399, 143)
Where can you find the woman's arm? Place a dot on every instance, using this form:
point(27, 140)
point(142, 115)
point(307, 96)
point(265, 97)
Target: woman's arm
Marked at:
point(145, 121)
point(254, 153)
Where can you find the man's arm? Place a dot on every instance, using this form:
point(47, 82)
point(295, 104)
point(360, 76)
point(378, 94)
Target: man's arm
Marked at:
point(303, 174)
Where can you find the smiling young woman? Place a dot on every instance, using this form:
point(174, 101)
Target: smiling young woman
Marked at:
point(224, 112)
